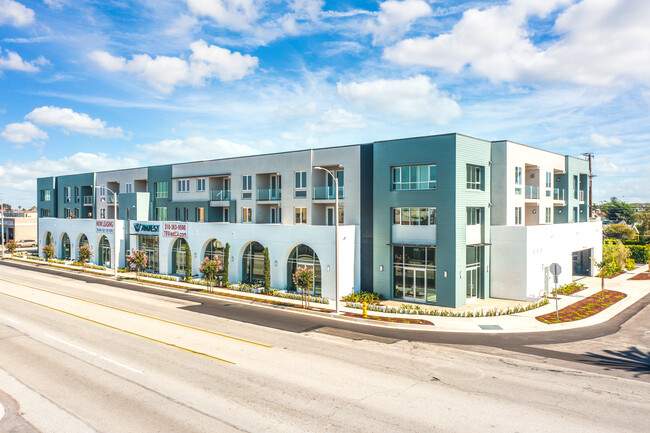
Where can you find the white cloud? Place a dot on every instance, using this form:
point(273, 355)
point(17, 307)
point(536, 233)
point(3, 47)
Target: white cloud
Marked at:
point(165, 73)
point(12, 61)
point(597, 43)
point(15, 14)
point(336, 120)
point(192, 149)
point(231, 14)
point(56, 4)
point(23, 133)
point(604, 141)
point(69, 120)
point(395, 19)
point(413, 98)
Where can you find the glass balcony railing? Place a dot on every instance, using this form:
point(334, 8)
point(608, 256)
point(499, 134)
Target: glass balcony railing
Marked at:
point(269, 194)
point(532, 191)
point(558, 194)
point(326, 193)
point(220, 195)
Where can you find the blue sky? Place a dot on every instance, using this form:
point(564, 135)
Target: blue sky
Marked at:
point(94, 85)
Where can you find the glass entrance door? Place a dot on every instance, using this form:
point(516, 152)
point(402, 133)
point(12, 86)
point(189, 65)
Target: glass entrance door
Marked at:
point(472, 282)
point(414, 284)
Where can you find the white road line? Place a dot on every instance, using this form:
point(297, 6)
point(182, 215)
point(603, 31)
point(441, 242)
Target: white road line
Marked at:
point(94, 354)
point(12, 320)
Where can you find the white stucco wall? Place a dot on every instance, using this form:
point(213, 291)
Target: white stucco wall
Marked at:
point(75, 228)
point(520, 254)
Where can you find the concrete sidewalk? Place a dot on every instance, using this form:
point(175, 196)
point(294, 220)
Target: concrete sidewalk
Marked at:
point(518, 322)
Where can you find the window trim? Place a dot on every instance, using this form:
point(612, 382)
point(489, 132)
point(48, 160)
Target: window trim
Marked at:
point(200, 182)
point(399, 185)
point(472, 172)
point(405, 214)
point(300, 215)
point(246, 211)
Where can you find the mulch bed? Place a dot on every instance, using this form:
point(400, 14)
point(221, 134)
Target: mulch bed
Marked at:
point(390, 319)
point(585, 308)
point(641, 276)
point(615, 275)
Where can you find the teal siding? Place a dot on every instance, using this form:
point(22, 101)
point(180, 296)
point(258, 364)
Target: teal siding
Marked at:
point(160, 173)
point(85, 182)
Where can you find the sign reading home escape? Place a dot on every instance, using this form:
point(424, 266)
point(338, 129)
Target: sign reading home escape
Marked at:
point(174, 230)
point(104, 226)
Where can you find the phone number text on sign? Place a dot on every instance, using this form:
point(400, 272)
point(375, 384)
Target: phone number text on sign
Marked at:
point(171, 230)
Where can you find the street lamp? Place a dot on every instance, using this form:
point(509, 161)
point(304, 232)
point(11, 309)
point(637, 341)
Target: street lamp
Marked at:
point(114, 227)
point(336, 232)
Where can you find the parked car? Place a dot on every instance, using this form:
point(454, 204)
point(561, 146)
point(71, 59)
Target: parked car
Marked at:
point(26, 243)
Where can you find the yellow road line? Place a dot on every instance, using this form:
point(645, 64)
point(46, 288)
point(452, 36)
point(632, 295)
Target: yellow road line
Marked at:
point(142, 315)
point(185, 349)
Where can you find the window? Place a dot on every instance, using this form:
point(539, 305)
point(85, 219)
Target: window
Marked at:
point(549, 179)
point(200, 213)
point(161, 190)
point(46, 195)
point(301, 215)
point(102, 193)
point(474, 177)
point(412, 177)
point(200, 185)
point(246, 215)
point(178, 214)
point(300, 184)
point(549, 219)
point(575, 214)
point(183, 185)
point(247, 187)
point(45, 213)
point(102, 213)
point(186, 214)
point(517, 216)
point(76, 213)
point(575, 187)
point(414, 273)
point(67, 213)
point(128, 213)
point(128, 188)
point(414, 216)
point(67, 191)
point(518, 175)
point(474, 216)
point(161, 214)
point(77, 194)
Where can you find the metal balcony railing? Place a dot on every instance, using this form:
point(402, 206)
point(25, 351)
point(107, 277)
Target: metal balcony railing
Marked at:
point(269, 194)
point(220, 195)
point(326, 193)
point(582, 196)
point(532, 192)
point(88, 200)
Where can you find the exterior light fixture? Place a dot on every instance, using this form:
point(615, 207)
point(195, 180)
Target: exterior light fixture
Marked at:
point(381, 268)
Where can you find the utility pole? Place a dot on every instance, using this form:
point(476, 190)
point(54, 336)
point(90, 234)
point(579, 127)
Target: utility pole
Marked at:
point(590, 156)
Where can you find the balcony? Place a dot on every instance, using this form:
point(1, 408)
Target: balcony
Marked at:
point(532, 192)
point(326, 193)
point(273, 194)
point(88, 200)
point(220, 195)
point(582, 197)
point(558, 195)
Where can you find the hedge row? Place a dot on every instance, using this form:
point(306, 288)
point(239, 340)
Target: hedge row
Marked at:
point(639, 253)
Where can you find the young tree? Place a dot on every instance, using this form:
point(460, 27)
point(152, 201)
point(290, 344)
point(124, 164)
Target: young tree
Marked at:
point(209, 269)
point(48, 252)
point(303, 278)
point(188, 262)
point(48, 239)
point(85, 254)
point(267, 271)
point(619, 231)
point(11, 247)
point(137, 260)
point(226, 261)
point(643, 223)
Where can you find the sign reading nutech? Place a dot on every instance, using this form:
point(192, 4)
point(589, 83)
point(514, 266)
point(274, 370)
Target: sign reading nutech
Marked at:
point(174, 230)
point(145, 229)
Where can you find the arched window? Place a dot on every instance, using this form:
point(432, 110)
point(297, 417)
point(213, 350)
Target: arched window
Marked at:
point(66, 250)
point(253, 263)
point(104, 256)
point(83, 240)
point(303, 256)
point(213, 249)
point(178, 257)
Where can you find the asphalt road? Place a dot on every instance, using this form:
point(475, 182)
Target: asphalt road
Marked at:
point(79, 353)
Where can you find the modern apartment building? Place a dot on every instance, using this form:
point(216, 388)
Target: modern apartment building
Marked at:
point(441, 219)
